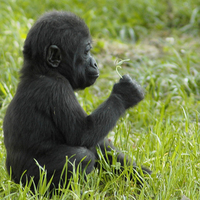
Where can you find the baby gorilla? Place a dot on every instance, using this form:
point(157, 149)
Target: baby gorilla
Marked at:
point(44, 122)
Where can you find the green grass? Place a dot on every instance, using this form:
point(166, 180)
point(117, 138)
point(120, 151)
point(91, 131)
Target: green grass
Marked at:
point(161, 39)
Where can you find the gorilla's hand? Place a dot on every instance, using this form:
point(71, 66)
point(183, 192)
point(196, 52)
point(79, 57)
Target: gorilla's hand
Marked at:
point(129, 91)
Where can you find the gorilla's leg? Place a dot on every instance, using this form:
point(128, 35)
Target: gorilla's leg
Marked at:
point(54, 161)
point(106, 147)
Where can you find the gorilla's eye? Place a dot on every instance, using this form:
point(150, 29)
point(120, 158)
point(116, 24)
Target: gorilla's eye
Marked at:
point(87, 49)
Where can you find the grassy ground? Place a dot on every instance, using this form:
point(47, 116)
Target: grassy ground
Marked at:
point(162, 132)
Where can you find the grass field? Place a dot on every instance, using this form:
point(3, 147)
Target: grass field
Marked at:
point(161, 39)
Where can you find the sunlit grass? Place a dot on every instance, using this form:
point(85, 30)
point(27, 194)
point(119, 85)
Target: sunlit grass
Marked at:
point(162, 132)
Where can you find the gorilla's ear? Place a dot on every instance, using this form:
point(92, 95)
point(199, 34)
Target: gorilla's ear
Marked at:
point(53, 56)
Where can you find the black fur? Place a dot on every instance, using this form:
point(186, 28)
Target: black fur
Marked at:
point(44, 121)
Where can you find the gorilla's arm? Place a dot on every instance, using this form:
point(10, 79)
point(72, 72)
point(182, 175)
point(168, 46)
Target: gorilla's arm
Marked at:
point(102, 120)
point(78, 128)
point(81, 129)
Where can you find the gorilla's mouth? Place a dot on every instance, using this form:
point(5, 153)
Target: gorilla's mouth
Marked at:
point(94, 75)
point(91, 79)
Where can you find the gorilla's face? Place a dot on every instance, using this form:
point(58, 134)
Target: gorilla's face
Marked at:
point(85, 67)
